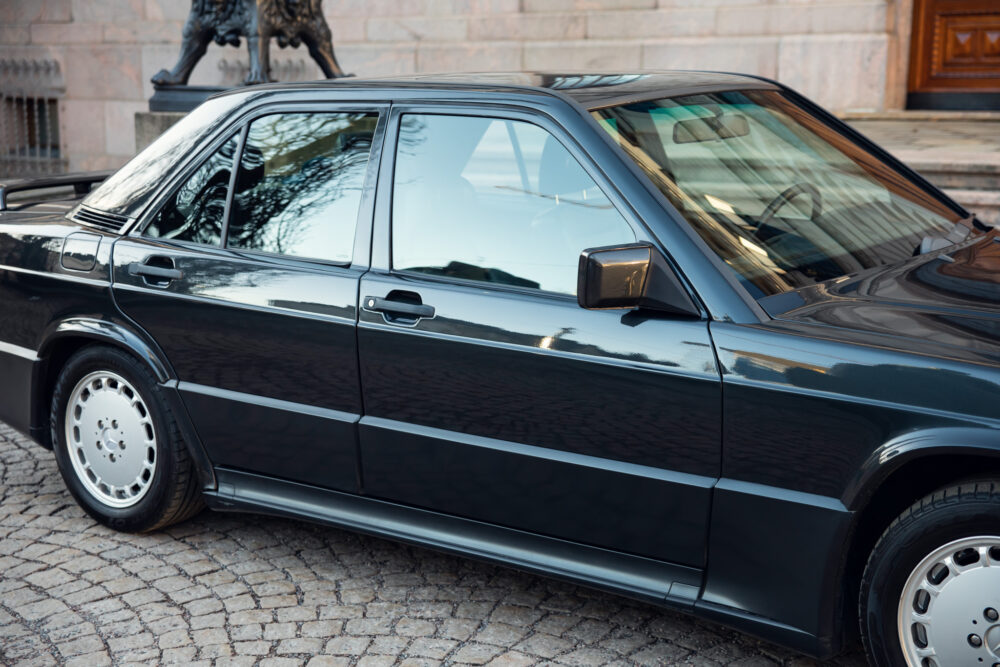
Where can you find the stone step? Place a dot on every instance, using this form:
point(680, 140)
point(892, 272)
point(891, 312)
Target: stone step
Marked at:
point(953, 149)
point(958, 175)
point(986, 205)
point(919, 115)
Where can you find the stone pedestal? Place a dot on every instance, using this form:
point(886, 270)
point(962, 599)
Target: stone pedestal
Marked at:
point(180, 98)
point(151, 124)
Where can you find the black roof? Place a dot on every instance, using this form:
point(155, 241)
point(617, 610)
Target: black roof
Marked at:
point(129, 190)
point(590, 90)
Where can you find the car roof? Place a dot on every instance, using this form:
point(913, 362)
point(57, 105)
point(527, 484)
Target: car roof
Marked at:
point(126, 194)
point(592, 90)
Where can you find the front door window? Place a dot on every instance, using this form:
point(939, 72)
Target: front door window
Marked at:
point(497, 201)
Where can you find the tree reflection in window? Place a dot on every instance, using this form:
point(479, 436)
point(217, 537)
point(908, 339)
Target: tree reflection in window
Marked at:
point(194, 212)
point(300, 183)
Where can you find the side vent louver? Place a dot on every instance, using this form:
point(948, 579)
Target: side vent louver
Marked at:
point(107, 222)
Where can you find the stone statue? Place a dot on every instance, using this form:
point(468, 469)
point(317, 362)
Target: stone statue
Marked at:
point(292, 22)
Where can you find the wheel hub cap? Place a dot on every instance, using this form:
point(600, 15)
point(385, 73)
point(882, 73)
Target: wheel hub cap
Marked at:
point(948, 613)
point(111, 440)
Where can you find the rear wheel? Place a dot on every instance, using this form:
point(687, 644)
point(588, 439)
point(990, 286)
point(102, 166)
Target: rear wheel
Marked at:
point(117, 444)
point(930, 596)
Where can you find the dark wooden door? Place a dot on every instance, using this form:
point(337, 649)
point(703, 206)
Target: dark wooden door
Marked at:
point(955, 55)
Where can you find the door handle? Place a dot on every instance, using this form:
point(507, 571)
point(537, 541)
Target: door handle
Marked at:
point(160, 273)
point(392, 307)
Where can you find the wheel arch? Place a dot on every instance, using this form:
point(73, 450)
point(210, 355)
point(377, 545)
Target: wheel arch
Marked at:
point(898, 475)
point(65, 338)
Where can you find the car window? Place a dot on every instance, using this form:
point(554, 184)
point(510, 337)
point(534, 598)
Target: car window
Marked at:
point(299, 184)
point(194, 212)
point(782, 197)
point(495, 200)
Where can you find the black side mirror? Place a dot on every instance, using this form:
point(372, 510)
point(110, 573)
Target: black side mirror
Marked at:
point(636, 275)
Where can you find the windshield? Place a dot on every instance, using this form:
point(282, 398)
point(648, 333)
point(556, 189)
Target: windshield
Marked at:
point(782, 198)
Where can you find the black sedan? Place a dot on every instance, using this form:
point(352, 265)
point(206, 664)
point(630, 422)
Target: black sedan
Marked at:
point(684, 336)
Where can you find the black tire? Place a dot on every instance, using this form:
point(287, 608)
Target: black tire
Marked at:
point(173, 492)
point(965, 510)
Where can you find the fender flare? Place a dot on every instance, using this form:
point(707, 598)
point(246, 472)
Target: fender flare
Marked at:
point(108, 331)
point(904, 449)
point(123, 336)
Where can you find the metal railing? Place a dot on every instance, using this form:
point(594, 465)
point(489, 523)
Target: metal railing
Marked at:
point(29, 136)
point(29, 118)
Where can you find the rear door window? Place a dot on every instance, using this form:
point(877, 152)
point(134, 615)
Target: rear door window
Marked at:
point(299, 184)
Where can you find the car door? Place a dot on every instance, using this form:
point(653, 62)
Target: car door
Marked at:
point(489, 393)
point(247, 278)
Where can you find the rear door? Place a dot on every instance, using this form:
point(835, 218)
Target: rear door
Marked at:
point(489, 393)
point(247, 278)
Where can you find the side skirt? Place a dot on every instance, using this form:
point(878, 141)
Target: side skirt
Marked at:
point(676, 586)
point(669, 585)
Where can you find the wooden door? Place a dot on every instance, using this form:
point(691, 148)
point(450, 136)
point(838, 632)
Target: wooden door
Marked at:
point(955, 55)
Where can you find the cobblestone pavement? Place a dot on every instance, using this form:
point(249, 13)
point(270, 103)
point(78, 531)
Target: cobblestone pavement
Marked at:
point(241, 589)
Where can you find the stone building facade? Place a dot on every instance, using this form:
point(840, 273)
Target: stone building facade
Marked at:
point(90, 61)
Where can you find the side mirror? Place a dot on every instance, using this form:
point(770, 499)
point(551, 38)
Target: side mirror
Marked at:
point(636, 275)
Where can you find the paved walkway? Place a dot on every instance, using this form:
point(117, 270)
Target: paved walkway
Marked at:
point(244, 590)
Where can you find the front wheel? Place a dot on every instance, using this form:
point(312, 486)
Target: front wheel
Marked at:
point(930, 596)
point(117, 445)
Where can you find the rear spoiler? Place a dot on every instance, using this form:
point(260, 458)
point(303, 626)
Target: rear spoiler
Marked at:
point(81, 183)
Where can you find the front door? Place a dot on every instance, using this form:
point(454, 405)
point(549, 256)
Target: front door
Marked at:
point(955, 55)
point(248, 282)
point(489, 393)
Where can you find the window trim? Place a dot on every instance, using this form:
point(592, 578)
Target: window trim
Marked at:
point(233, 173)
point(382, 239)
point(240, 123)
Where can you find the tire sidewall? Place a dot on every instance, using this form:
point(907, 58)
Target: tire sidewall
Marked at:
point(146, 512)
point(895, 557)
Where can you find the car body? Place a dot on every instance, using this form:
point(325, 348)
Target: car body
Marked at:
point(737, 457)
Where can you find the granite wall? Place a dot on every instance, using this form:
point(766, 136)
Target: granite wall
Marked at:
point(844, 53)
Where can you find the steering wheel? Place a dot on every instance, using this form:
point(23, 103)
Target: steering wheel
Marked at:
point(788, 195)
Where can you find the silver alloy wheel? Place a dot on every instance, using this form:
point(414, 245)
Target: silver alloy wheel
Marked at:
point(949, 612)
point(111, 439)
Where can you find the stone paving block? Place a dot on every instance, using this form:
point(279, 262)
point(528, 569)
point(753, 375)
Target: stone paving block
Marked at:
point(252, 647)
point(299, 645)
point(215, 651)
point(388, 645)
point(334, 661)
point(208, 621)
point(372, 661)
point(82, 645)
point(322, 628)
point(97, 659)
point(476, 654)
point(347, 645)
point(184, 655)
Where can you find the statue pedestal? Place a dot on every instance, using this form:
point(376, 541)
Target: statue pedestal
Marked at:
point(151, 124)
point(180, 98)
point(167, 106)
